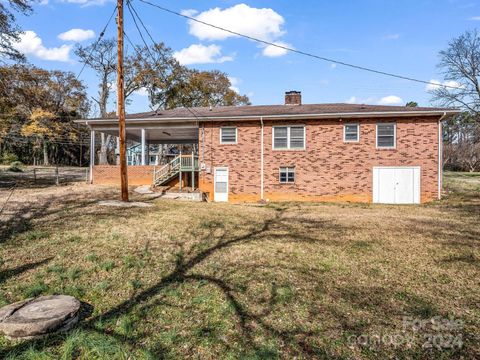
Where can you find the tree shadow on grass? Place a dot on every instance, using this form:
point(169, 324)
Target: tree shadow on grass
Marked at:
point(8, 273)
point(296, 336)
point(247, 320)
point(21, 216)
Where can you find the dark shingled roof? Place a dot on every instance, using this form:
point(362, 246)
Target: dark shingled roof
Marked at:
point(279, 110)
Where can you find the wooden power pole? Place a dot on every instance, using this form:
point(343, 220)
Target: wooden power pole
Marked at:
point(121, 104)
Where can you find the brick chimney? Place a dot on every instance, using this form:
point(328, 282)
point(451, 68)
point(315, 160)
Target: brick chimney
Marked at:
point(293, 98)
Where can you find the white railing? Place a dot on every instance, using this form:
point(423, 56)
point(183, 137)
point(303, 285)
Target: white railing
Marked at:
point(185, 163)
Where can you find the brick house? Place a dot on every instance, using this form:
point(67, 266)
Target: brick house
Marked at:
point(315, 152)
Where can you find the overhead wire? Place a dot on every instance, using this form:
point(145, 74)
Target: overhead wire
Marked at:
point(301, 52)
point(134, 14)
point(100, 36)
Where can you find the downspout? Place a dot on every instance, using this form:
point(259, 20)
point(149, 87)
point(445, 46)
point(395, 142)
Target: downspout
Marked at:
point(261, 159)
point(440, 155)
point(203, 144)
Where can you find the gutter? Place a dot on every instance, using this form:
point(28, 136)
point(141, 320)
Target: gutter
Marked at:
point(273, 117)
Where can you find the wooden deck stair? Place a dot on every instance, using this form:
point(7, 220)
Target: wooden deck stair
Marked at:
point(181, 163)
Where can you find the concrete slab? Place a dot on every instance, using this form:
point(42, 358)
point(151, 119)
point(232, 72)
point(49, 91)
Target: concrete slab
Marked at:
point(144, 189)
point(123, 204)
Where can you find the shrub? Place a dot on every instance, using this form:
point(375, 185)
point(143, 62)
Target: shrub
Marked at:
point(16, 166)
point(8, 158)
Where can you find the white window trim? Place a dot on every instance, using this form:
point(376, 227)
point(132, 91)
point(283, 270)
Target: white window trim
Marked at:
point(394, 136)
point(288, 138)
point(345, 130)
point(294, 176)
point(236, 135)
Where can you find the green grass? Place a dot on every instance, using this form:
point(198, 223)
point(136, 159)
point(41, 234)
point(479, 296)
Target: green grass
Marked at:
point(210, 281)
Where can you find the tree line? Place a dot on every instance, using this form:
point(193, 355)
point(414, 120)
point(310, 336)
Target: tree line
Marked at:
point(38, 106)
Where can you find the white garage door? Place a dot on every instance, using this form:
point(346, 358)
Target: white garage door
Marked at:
point(396, 185)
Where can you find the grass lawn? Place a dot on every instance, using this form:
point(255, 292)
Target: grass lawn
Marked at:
point(209, 281)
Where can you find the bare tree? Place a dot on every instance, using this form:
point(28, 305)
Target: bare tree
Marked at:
point(9, 30)
point(460, 64)
point(102, 58)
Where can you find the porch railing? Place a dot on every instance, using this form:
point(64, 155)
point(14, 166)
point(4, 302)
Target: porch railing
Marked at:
point(181, 163)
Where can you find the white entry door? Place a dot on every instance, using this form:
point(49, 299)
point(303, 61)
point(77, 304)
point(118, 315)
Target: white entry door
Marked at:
point(221, 184)
point(396, 185)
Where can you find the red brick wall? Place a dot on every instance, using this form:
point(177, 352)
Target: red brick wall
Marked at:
point(137, 175)
point(110, 175)
point(328, 169)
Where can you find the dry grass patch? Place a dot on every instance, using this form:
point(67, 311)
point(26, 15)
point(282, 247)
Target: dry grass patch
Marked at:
point(196, 280)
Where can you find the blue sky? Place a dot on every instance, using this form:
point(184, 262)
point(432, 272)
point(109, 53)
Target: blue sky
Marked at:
point(402, 37)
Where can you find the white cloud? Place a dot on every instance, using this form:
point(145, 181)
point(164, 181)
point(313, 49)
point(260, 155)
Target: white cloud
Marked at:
point(435, 84)
point(234, 84)
point(76, 35)
point(391, 37)
point(141, 92)
point(387, 100)
point(474, 18)
point(265, 23)
point(390, 100)
point(357, 100)
point(43, 2)
point(201, 54)
point(31, 44)
point(274, 51)
point(84, 3)
point(333, 66)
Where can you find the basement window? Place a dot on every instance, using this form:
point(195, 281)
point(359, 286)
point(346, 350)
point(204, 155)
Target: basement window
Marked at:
point(386, 135)
point(287, 175)
point(228, 135)
point(289, 137)
point(351, 132)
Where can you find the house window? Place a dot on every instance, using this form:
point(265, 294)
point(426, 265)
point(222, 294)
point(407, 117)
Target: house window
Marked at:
point(289, 137)
point(386, 133)
point(351, 132)
point(287, 175)
point(228, 135)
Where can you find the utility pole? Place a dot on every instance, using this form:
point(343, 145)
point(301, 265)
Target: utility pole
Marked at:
point(121, 103)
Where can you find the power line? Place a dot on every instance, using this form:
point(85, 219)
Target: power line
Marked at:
point(132, 8)
point(138, 29)
point(134, 13)
point(100, 36)
point(28, 141)
point(265, 42)
point(59, 138)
